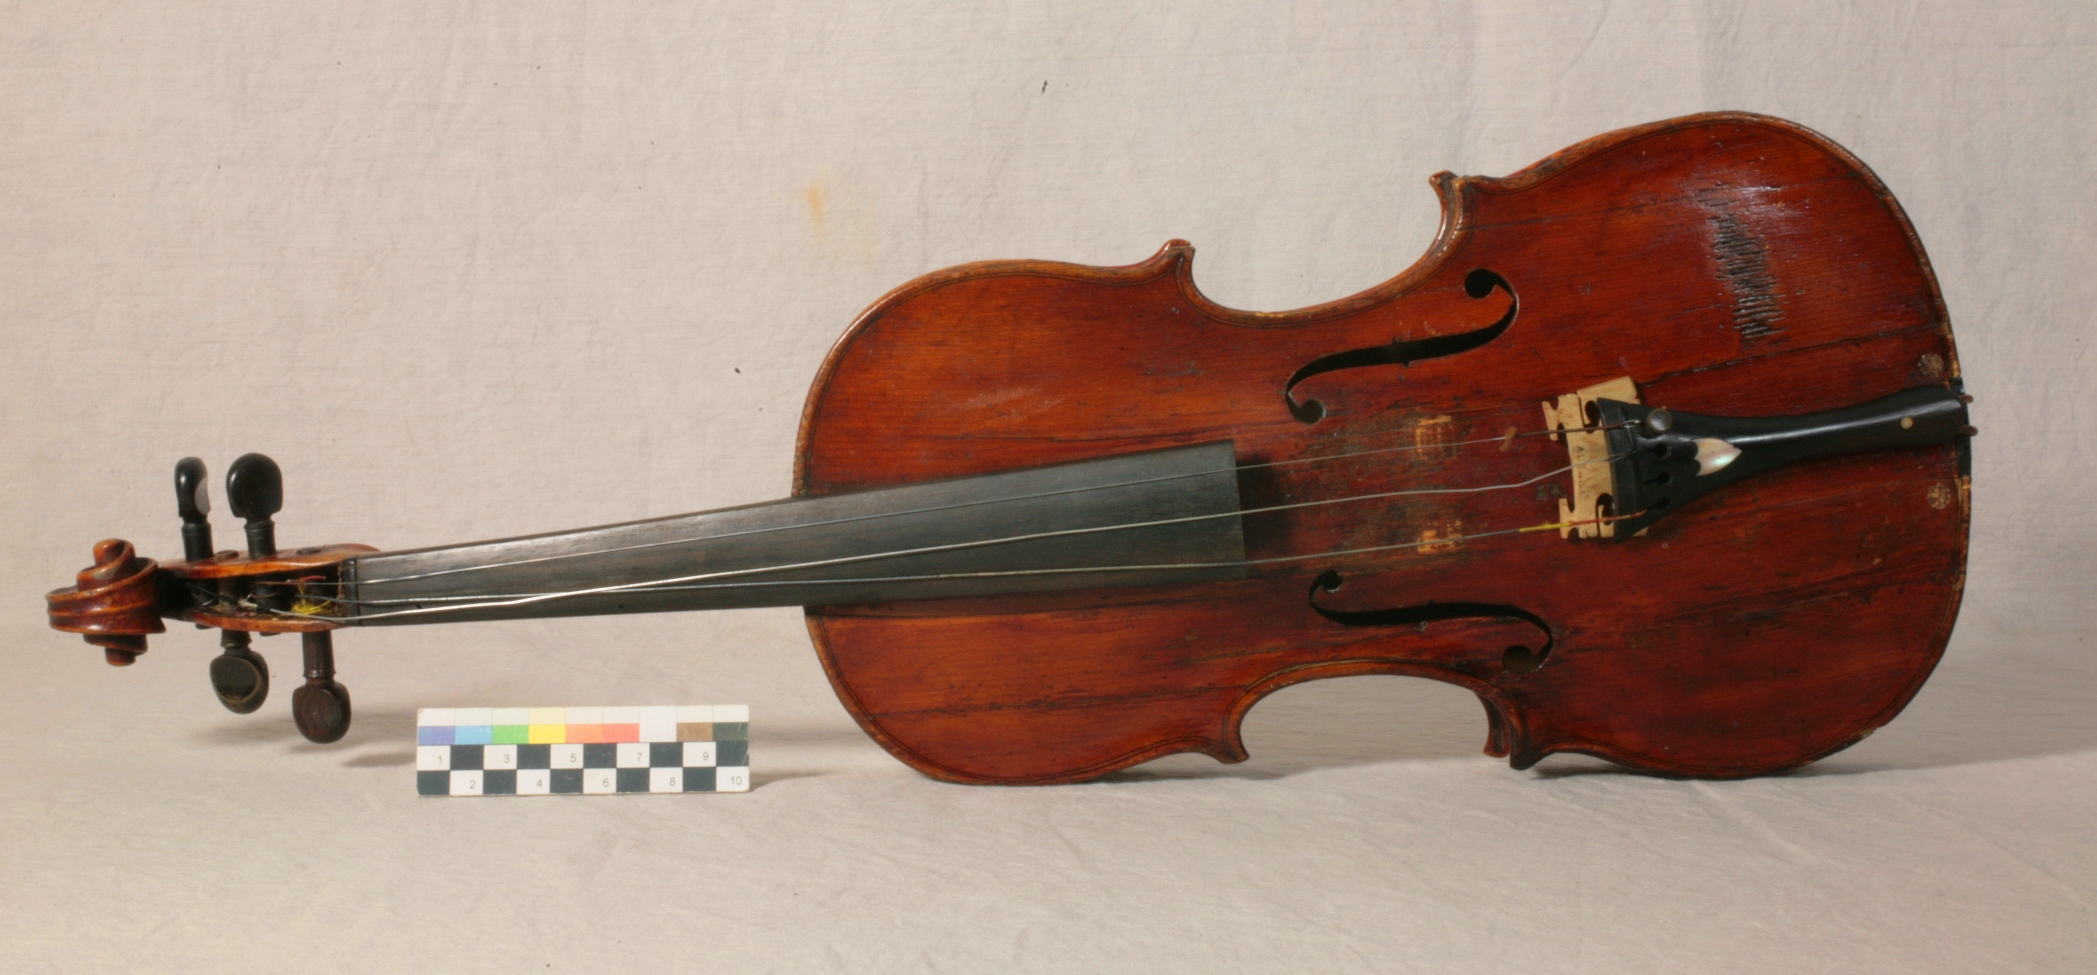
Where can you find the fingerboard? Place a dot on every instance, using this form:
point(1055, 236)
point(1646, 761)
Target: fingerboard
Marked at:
point(582, 751)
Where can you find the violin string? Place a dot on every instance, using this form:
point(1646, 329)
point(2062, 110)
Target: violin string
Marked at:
point(994, 574)
point(946, 507)
point(485, 566)
point(209, 594)
point(486, 602)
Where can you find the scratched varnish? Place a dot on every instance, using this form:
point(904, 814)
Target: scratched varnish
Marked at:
point(1728, 264)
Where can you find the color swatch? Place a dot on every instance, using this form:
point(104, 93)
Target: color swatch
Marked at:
point(582, 751)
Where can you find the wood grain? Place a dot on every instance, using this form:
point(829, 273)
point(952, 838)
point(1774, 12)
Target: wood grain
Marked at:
point(1729, 264)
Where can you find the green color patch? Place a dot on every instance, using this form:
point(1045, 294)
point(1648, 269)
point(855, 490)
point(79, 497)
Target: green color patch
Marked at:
point(511, 734)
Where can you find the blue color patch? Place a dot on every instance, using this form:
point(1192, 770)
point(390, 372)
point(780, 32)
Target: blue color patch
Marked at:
point(461, 751)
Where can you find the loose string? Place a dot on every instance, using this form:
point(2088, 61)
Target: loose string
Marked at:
point(500, 602)
point(1504, 440)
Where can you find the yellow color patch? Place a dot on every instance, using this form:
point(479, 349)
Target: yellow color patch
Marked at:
point(548, 734)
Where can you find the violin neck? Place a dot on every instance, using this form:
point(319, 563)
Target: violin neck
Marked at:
point(1158, 517)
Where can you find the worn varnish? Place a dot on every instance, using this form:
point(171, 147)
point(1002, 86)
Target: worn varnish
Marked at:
point(1727, 264)
point(1727, 268)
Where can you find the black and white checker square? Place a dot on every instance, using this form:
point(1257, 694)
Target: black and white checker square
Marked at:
point(582, 769)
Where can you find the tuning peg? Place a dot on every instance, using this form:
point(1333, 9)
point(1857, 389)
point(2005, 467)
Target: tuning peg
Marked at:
point(239, 676)
point(321, 709)
point(193, 501)
point(255, 491)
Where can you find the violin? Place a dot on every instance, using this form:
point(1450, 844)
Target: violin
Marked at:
point(1661, 449)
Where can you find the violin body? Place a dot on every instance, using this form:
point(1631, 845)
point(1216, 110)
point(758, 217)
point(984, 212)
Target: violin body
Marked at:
point(1597, 456)
point(1725, 264)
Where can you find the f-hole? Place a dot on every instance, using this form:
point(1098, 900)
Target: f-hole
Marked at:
point(1515, 660)
point(1477, 284)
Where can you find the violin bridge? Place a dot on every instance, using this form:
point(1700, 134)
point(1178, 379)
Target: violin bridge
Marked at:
point(1594, 486)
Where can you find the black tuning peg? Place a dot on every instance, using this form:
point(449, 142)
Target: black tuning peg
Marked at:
point(193, 501)
point(321, 708)
point(239, 676)
point(255, 491)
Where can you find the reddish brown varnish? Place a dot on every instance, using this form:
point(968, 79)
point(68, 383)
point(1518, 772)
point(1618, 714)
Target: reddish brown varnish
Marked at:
point(1729, 264)
point(114, 603)
point(117, 601)
point(233, 565)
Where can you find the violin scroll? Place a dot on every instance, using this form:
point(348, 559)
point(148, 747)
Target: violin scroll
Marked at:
point(114, 603)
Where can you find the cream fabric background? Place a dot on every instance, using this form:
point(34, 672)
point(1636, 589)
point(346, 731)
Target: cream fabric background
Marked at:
point(479, 269)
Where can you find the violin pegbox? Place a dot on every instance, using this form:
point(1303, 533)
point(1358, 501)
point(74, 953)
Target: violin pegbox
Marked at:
point(122, 598)
point(1574, 418)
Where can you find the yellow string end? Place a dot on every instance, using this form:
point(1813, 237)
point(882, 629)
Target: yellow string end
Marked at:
point(304, 605)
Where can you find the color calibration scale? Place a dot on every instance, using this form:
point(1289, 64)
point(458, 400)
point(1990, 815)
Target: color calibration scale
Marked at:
point(581, 751)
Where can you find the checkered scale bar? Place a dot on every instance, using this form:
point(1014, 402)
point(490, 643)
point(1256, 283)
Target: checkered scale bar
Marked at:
point(581, 751)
